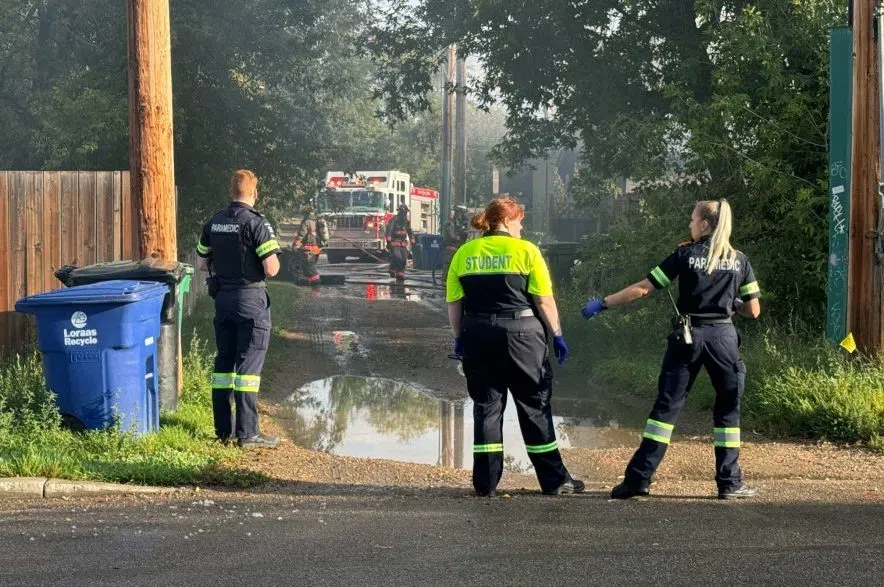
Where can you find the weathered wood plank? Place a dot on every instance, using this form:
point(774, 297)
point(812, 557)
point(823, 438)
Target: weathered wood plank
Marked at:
point(17, 253)
point(51, 227)
point(87, 211)
point(70, 223)
point(127, 216)
point(104, 211)
point(117, 216)
point(6, 304)
point(34, 232)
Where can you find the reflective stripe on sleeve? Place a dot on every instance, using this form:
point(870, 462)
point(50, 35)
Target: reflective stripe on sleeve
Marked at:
point(539, 448)
point(222, 380)
point(726, 437)
point(203, 249)
point(658, 431)
point(267, 247)
point(661, 278)
point(498, 447)
point(749, 289)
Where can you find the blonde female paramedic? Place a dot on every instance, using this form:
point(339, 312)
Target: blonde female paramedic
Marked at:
point(714, 282)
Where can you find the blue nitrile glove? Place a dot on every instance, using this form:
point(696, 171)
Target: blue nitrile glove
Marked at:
point(592, 307)
point(560, 348)
point(458, 347)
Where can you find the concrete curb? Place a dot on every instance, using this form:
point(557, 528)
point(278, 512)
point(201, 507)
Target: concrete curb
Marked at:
point(43, 487)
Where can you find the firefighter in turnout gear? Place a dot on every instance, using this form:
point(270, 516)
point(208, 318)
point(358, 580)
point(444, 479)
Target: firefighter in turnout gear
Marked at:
point(501, 308)
point(400, 239)
point(714, 282)
point(454, 234)
point(312, 236)
point(239, 249)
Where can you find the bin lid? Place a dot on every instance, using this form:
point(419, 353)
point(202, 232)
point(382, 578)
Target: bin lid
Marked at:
point(106, 292)
point(168, 272)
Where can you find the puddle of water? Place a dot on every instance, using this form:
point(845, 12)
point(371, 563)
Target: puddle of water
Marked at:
point(381, 418)
point(347, 345)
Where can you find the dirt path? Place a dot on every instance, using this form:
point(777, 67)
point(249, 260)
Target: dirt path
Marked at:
point(378, 333)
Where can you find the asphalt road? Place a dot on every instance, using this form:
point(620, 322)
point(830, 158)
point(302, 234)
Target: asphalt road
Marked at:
point(441, 540)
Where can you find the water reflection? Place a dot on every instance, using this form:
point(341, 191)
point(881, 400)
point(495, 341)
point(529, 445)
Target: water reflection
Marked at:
point(381, 418)
point(397, 291)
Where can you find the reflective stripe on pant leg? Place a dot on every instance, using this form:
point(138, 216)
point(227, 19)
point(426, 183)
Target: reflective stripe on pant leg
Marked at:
point(541, 448)
point(247, 383)
point(726, 437)
point(223, 380)
point(495, 447)
point(659, 431)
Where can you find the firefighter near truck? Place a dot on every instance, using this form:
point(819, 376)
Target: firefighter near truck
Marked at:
point(357, 208)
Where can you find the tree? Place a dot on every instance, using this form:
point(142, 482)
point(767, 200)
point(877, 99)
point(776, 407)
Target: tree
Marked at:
point(690, 99)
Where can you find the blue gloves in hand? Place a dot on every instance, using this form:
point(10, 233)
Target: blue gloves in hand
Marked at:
point(560, 348)
point(458, 347)
point(592, 307)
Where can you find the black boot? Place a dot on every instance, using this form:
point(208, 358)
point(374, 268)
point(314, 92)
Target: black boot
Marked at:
point(624, 491)
point(740, 492)
point(569, 486)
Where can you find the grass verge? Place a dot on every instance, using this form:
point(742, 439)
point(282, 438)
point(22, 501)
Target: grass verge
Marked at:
point(33, 444)
point(797, 384)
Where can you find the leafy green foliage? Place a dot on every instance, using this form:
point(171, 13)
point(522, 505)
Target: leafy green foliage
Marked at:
point(689, 99)
point(796, 384)
point(33, 444)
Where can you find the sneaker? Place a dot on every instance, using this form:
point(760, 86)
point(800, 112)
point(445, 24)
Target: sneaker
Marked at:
point(738, 492)
point(624, 491)
point(569, 486)
point(259, 441)
point(491, 493)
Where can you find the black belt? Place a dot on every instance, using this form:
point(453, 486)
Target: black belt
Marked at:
point(527, 313)
point(699, 321)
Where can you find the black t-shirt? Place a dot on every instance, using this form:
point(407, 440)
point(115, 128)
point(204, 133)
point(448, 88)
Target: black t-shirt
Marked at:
point(703, 294)
point(237, 239)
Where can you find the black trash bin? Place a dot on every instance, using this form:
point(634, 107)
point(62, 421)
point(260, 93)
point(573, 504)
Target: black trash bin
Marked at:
point(177, 277)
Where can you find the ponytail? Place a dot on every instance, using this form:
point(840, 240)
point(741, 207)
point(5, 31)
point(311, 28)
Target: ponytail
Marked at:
point(480, 222)
point(718, 215)
point(496, 213)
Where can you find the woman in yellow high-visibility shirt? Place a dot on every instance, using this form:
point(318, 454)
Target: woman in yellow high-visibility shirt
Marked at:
point(501, 307)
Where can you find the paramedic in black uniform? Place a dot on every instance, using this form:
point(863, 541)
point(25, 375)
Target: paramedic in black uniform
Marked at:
point(714, 282)
point(501, 308)
point(239, 248)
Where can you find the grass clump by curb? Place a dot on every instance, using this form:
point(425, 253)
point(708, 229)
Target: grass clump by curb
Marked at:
point(33, 444)
point(797, 384)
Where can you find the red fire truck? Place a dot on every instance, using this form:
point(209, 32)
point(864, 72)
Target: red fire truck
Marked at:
point(358, 206)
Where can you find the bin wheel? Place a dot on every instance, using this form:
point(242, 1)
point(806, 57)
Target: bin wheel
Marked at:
point(72, 423)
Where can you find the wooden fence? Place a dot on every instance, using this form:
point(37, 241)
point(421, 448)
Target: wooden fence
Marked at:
point(49, 219)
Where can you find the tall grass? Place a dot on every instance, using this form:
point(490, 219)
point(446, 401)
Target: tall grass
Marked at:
point(183, 451)
point(797, 384)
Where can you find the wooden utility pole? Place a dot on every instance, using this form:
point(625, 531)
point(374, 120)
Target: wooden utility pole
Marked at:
point(150, 130)
point(460, 134)
point(447, 111)
point(865, 278)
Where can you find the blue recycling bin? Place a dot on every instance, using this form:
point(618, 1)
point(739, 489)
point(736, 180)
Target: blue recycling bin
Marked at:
point(430, 246)
point(99, 345)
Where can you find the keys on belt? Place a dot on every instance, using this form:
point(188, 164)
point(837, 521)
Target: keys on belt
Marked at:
point(527, 313)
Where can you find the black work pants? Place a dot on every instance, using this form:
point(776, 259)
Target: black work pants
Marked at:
point(716, 347)
point(307, 260)
point(398, 259)
point(501, 355)
point(242, 333)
